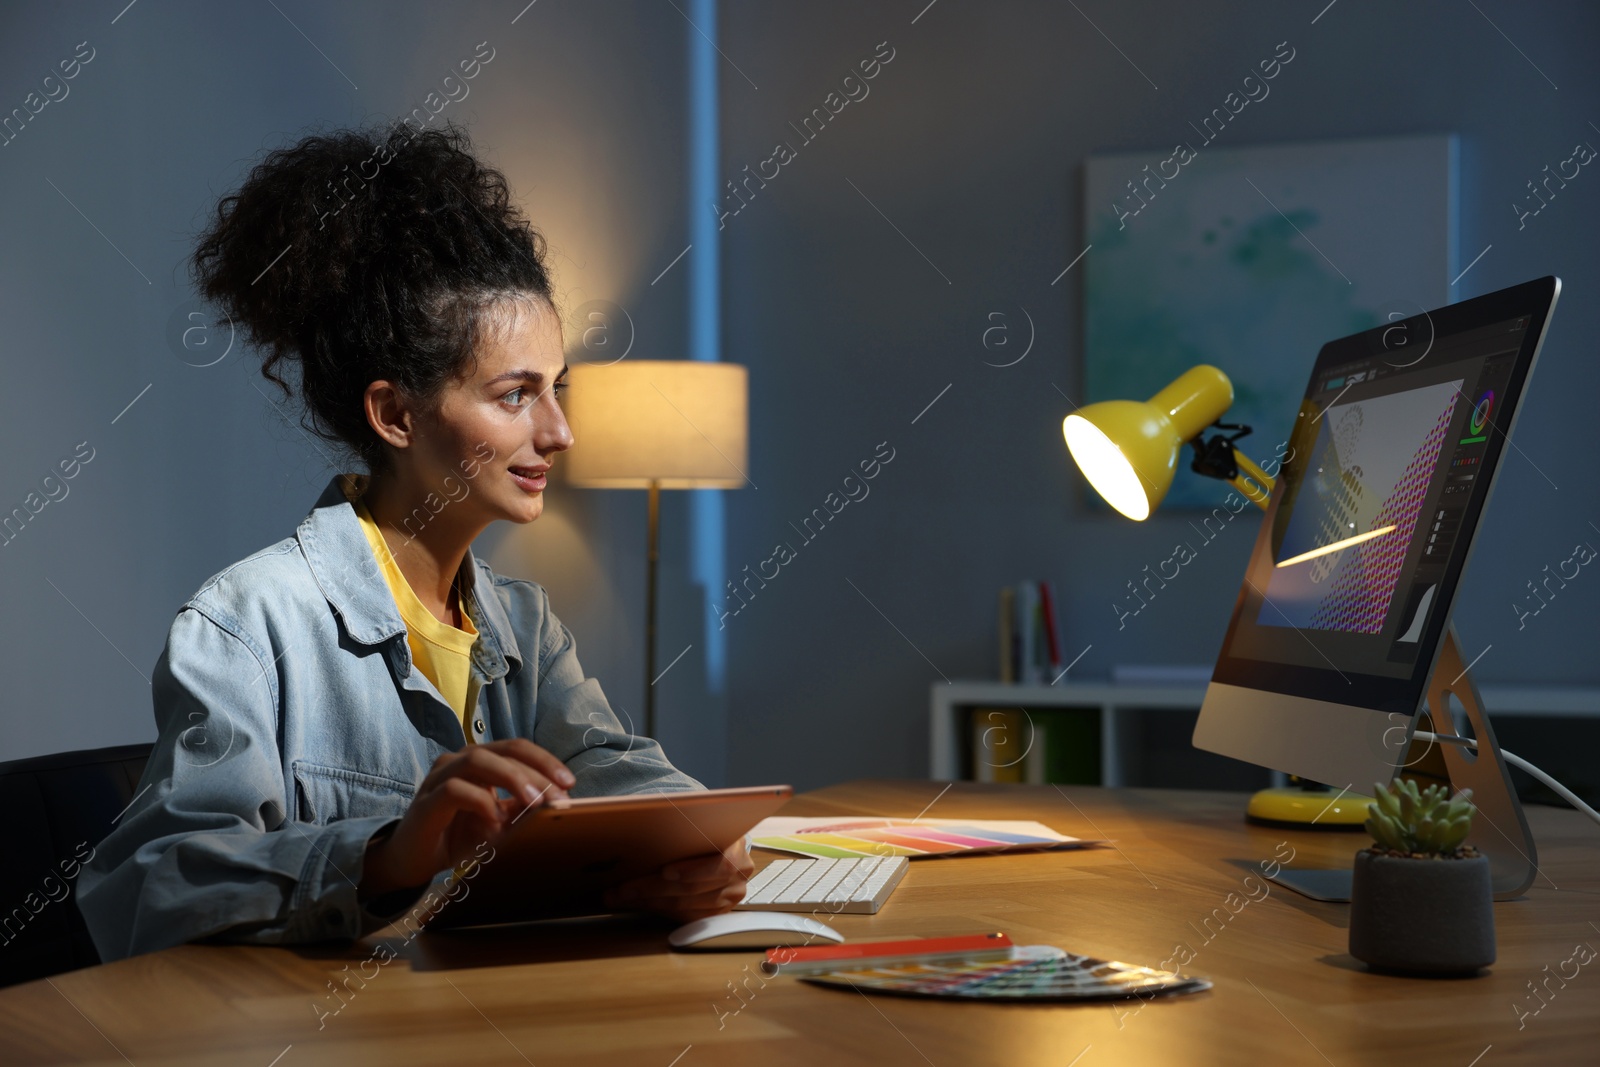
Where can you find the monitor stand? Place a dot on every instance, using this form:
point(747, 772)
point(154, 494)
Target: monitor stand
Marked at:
point(1499, 828)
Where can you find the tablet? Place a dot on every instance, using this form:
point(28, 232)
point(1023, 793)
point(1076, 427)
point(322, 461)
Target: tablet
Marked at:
point(559, 859)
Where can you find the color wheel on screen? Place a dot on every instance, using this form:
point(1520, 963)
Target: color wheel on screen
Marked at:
point(904, 837)
point(1479, 421)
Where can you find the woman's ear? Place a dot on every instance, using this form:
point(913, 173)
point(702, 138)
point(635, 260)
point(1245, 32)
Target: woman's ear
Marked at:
point(388, 414)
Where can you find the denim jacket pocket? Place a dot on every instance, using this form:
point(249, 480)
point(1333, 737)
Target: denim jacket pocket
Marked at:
point(328, 794)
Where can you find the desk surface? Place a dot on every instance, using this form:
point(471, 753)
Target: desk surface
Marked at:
point(607, 991)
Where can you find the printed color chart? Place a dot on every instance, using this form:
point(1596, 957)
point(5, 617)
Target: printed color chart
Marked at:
point(912, 838)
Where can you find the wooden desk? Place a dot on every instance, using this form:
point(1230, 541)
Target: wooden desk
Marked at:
point(607, 991)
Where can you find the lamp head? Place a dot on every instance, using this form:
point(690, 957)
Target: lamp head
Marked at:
point(677, 424)
point(1128, 449)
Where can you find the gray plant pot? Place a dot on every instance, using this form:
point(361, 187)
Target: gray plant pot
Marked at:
point(1422, 916)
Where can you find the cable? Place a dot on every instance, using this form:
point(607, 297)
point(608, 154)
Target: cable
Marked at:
point(1517, 761)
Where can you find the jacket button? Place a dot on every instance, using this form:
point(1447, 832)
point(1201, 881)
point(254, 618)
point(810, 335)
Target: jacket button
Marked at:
point(477, 726)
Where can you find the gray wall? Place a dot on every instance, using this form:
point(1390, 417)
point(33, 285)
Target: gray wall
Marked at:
point(972, 142)
point(583, 106)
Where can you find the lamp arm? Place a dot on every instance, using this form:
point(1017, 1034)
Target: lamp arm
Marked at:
point(1256, 493)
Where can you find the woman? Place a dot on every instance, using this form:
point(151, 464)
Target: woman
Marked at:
point(339, 713)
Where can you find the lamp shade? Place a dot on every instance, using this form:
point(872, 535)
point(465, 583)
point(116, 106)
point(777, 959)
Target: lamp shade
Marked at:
point(1128, 449)
point(682, 424)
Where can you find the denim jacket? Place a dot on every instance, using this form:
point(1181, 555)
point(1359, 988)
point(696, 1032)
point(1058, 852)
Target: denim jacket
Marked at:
point(292, 727)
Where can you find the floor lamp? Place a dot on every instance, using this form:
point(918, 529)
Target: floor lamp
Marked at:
point(657, 424)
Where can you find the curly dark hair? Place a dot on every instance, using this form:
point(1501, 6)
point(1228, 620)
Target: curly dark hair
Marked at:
point(365, 255)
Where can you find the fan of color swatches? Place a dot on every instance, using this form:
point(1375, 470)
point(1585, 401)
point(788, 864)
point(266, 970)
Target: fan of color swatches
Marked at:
point(912, 838)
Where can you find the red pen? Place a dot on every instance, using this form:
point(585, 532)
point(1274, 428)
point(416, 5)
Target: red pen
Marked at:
point(817, 959)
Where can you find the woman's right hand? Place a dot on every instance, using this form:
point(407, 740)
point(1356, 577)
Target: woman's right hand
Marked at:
point(456, 809)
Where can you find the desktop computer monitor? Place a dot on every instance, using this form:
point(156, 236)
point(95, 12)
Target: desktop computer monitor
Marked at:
point(1345, 603)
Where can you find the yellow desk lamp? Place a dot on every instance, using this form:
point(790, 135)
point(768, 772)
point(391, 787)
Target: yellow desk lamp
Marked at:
point(1128, 451)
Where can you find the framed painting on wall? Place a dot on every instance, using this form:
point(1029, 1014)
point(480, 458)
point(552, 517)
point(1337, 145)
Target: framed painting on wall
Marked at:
point(1250, 259)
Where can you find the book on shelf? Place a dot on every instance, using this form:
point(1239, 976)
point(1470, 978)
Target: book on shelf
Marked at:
point(1030, 671)
point(1008, 634)
point(1037, 746)
point(1048, 610)
point(1030, 639)
point(1000, 741)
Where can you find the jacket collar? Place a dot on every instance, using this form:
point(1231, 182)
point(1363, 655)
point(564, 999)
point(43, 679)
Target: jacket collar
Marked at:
point(342, 563)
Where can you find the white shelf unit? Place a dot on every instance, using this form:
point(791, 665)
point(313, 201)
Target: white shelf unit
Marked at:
point(950, 703)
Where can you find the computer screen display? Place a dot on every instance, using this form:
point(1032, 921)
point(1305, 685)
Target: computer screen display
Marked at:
point(1388, 467)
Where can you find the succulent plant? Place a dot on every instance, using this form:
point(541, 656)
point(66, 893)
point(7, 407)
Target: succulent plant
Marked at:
point(1430, 821)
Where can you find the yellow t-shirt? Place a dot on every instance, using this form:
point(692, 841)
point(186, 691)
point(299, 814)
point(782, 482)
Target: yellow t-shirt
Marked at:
point(440, 651)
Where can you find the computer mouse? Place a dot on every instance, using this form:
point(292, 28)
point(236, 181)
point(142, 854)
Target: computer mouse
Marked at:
point(751, 929)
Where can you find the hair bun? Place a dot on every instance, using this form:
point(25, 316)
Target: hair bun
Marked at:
point(368, 254)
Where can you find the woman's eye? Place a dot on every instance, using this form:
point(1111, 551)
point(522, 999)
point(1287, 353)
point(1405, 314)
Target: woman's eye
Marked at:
point(518, 398)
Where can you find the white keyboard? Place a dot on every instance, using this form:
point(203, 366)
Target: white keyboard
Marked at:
point(859, 885)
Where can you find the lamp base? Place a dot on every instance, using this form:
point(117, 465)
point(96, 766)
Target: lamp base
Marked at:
point(1308, 807)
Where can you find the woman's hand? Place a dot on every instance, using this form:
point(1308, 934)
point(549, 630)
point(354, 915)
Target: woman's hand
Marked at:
point(456, 809)
point(688, 889)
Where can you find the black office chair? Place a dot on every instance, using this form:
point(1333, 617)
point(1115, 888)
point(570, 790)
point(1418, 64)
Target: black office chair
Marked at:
point(56, 808)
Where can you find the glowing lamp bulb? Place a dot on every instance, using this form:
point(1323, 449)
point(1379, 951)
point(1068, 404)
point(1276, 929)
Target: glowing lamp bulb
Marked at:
point(1106, 468)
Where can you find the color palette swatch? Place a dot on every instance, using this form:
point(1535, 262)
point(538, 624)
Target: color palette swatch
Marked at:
point(1035, 972)
point(912, 838)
